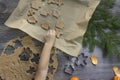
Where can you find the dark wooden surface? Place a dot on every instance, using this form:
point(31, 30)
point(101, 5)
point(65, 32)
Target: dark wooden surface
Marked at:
point(103, 71)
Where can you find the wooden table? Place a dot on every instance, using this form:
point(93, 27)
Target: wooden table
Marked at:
point(103, 71)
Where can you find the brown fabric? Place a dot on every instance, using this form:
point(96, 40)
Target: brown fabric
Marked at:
point(12, 68)
point(74, 13)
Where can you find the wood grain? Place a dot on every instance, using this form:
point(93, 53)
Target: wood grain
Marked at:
point(103, 71)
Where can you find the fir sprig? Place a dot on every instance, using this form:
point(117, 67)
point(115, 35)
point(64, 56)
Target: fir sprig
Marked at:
point(102, 30)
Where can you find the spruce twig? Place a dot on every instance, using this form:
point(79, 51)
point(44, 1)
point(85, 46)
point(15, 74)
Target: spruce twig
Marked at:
point(102, 30)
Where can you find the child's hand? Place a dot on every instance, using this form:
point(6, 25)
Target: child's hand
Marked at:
point(50, 37)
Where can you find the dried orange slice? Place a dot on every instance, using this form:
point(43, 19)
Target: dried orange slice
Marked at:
point(94, 60)
point(116, 71)
point(115, 68)
point(74, 78)
point(116, 78)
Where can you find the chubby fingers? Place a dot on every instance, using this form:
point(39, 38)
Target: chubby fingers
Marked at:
point(52, 32)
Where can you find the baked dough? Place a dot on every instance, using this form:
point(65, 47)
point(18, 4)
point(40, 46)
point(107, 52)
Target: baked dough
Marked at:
point(46, 25)
point(44, 12)
point(51, 2)
point(31, 12)
point(32, 19)
point(60, 24)
point(59, 2)
point(36, 4)
point(59, 32)
point(56, 13)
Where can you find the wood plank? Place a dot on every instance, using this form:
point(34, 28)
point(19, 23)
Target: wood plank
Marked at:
point(103, 71)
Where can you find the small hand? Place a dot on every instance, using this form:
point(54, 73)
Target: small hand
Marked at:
point(50, 37)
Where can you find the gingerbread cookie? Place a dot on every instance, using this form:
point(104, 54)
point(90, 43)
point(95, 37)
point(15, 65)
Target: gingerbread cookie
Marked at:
point(31, 12)
point(60, 24)
point(59, 32)
point(56, 13)
point(44, 12)
point(36, 4)
point(51, 2)
point(32, 19)
point(59, 2)
point(46, 25)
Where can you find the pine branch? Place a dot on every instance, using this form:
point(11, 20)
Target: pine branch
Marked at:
point(102, 30)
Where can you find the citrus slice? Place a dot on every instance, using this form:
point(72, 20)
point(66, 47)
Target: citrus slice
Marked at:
point(116, 71)
point(116, 78)
point(94, 60)
point(74, 78)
